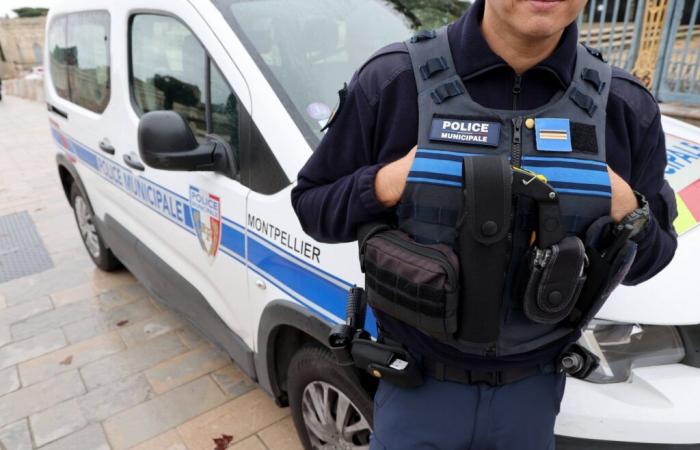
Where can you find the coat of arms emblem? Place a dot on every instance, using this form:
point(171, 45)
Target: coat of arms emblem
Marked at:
point(206, 218)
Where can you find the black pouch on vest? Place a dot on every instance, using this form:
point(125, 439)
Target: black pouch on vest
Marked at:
point(415, 283)
point(605, 272)
point(556, 279)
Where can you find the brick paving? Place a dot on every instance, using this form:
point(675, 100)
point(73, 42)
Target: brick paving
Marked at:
point(88, 360)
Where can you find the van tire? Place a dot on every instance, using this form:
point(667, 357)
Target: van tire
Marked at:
point(314, 370)
point(89, 233)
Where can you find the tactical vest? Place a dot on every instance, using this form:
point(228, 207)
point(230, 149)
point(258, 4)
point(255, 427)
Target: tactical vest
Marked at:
point(461, 261)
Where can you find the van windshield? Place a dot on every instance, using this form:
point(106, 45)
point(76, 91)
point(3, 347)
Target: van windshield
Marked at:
point(307, 49)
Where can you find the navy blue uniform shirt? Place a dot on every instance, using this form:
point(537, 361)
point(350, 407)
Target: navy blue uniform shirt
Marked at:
point(378, 124)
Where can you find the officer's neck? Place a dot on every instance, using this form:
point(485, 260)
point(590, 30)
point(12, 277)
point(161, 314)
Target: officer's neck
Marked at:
point(520, 52)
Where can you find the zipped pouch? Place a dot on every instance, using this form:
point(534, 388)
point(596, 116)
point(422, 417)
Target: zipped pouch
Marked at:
point(415, 283)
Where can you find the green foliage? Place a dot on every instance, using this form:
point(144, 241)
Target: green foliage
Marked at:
point(31, 12)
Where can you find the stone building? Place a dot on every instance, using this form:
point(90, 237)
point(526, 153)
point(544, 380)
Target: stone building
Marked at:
point(21, 45)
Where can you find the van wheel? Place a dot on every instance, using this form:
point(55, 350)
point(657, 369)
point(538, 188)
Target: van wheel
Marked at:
point(329, 408)
point(94, 244)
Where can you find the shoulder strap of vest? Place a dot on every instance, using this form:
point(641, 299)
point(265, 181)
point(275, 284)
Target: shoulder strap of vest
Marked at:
point(433, 65)
point(592, 77)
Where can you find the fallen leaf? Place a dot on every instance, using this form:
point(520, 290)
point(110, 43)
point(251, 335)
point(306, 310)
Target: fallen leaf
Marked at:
point(121, 323)
point(67, 361)
point(223, 442)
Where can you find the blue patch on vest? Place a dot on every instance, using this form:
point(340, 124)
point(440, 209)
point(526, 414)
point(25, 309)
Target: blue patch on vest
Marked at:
point(468, 132)
point(553, 135)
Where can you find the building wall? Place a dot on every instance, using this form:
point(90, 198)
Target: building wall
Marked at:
point(22, 41)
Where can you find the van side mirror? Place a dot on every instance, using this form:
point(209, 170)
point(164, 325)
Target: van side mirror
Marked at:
point(166, 142)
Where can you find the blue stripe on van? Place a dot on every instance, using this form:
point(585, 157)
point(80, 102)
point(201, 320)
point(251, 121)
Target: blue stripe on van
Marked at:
point(277, 266)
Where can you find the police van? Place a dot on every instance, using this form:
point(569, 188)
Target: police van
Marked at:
point(202, 214)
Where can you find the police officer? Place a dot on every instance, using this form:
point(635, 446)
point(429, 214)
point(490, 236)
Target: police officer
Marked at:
point(511, 55)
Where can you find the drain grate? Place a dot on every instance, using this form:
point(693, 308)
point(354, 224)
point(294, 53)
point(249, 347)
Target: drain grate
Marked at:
point(22, 252)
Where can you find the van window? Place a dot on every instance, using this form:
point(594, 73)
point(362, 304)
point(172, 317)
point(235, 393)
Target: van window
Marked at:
point(58, 57)
point(79, 63)
point(170, 70)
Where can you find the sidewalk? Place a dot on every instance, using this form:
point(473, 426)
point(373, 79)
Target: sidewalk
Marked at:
point(89, 360)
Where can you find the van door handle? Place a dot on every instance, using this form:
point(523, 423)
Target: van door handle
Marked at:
point(57, 111)
point(106, 147)
point(131, 161)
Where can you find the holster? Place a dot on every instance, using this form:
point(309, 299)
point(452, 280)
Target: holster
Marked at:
point(557, 275)
point(605, 272)
point(483, 246)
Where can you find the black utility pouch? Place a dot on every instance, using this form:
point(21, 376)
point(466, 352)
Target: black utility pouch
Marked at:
point(556, 279)
point(415, 283)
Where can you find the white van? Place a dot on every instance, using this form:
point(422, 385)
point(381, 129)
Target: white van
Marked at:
point(209, 229)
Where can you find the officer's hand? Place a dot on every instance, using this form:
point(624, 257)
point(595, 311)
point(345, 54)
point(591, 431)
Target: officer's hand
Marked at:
point(623, 199)
point(391, 179)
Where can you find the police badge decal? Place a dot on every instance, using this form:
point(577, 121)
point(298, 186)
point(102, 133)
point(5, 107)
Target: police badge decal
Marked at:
point(206, 217)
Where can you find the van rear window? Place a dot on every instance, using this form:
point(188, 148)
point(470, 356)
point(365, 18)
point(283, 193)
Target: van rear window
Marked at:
point(79, 62)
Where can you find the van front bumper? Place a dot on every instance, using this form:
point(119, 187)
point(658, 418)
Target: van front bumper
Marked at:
point(657, 408)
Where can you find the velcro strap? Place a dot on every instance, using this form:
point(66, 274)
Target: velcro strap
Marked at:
point(584, 102)
point(423, 35)
point(593, 77)
point(428, 214)
point(433, 66)
point(448, 90)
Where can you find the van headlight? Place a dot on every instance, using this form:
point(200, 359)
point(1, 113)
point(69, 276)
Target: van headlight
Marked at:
point(622, 347)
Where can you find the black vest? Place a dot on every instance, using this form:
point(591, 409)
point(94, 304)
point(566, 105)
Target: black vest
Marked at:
point(460, 192)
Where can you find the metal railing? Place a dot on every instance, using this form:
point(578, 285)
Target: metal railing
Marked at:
point(617, 28)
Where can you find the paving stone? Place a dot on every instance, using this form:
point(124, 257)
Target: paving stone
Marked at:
point(43, 284)
point(58, 421)
point(105, 281)
point(150, 328)
point(89, 438)
point(233, 381)
point(239, 418)
point(55, 318)
point(74, 294)
point(9, 381)
point(191, 337)
point(113, 299)
point(135, 291)
point(281, 436)
point(22, 311)
point(156, 416)
point(186, 367)
point(133, 360)
point(5, 335)
point(106, 401)
point(71, 357)
point(40, 396)
point(16, 436)
point(166, 441)
point(251, 443)
point(27, 349)
point(108, 320)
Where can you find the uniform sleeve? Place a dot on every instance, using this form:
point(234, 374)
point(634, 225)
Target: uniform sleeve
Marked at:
point(335, 189)
point(657, 244)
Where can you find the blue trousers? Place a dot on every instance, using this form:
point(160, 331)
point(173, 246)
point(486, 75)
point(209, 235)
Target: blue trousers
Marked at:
point(442, 415)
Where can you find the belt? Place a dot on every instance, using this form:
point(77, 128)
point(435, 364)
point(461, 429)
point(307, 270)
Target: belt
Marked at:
point(442, 372)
